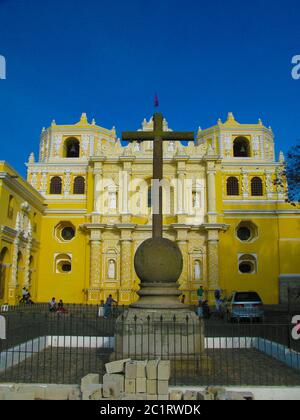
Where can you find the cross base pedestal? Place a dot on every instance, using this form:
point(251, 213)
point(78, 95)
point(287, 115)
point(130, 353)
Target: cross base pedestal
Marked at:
point(165, 333)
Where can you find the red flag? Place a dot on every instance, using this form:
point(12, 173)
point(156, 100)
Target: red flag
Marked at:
point(156, 102)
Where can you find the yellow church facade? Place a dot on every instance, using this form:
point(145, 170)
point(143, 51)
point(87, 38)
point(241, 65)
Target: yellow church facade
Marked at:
point(71, 231)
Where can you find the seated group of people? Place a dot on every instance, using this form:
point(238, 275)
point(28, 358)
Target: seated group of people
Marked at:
point(56, 307)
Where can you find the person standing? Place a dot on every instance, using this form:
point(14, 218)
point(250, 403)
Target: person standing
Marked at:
point(107, 306)
point(218, 300)
point(200, 295)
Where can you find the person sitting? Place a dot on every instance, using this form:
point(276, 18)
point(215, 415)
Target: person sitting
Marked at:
point(61, 308)
point(52, 305)
point(107, 306)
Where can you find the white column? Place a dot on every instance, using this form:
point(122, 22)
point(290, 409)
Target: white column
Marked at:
point(98, 188)
point(211, 192)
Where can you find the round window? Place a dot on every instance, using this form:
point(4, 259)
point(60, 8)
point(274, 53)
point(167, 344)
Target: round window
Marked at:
point(66, 267)
point(68, 233)
point(244, 233)
point(246, 267)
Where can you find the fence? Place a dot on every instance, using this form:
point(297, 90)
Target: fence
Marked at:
point(43, 347)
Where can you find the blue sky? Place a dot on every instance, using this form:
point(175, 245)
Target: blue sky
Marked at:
point(108, 58)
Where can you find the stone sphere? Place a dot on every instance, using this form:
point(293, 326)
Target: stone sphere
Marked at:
point(158, 260)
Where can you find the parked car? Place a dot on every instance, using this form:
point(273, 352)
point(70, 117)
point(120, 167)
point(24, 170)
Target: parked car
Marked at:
point(245, 305)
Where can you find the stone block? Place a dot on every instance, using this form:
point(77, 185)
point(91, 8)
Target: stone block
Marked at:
point(141, 369)
point(91, 378)
point(163, 397)
point(151, 386)
point(141, 385)
point(75, 395)
point(109, 378)
point(135, 397)
point(152, 397)
point(162, 387)
point(164, 370)
point(215, 390)
point(92, 392)
point(19, 396)
point(141, 396)
point(130, 386)
point(234, 396)
point(130, 370)
point(38, 390)
point(176, 395)
point(151, 369)
point(248, 396)
point(111, 390)
point(117, 366)
point(205, 396)
point(57, 393)
point(190, 396)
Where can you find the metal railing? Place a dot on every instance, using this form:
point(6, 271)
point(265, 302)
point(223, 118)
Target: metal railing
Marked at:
point(43, 347)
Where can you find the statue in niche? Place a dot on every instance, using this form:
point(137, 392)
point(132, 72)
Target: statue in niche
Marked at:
point(111, 269)
point(197, 271)
point(112, 203)
point(197, 200)
point(171, 147)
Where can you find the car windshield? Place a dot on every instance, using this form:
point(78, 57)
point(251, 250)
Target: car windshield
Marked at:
point(247, 297)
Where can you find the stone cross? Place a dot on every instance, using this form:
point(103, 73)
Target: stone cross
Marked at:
point(157, 136)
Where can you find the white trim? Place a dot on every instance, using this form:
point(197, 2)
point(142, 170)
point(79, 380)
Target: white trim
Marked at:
point(277, 212)
point(253, 201)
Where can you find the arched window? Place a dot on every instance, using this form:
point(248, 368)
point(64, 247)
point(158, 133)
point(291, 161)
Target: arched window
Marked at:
point(247, 264)
point(79, 185)
point(256, 186)
point(241, 147)
point(56, 185)
point(232, 186)
point(72, 148)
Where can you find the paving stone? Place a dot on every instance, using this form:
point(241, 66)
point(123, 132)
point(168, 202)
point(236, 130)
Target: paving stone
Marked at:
point(162, 387)
point(141, 385)
point(130, 386)
point(117, 366)
point(164, 370)
point(152, 386)
point(130, 370)
point(151, 369)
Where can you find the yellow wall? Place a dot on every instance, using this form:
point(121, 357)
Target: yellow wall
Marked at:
point(67, 286)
